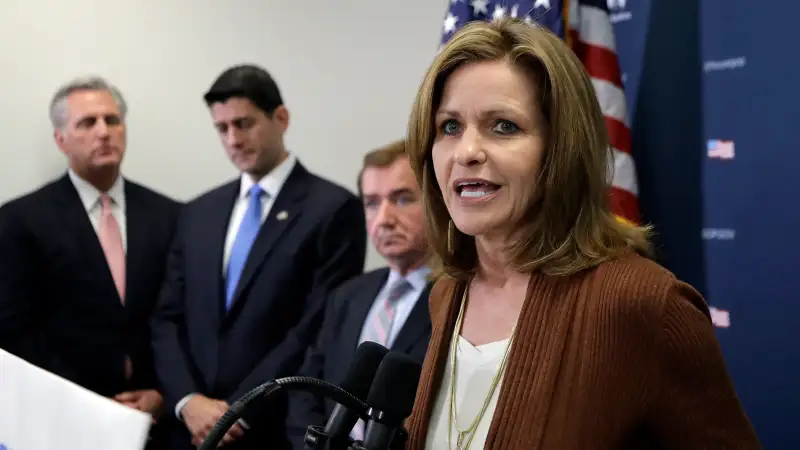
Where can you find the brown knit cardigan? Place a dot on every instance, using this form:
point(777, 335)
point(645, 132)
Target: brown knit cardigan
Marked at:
point(621, 357)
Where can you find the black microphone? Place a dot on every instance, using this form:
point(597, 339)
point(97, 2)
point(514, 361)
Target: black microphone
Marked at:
point(357, 382)
point(390, 400)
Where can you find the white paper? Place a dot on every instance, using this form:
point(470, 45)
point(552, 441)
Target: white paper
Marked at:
point(41, 411)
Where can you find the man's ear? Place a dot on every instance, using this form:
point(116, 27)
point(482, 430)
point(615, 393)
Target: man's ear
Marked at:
point(281, 115)
point(58, 138)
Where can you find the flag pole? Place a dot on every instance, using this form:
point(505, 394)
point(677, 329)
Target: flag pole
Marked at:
point(565, 21)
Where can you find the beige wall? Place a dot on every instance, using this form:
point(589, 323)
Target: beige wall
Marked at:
point(348, 69)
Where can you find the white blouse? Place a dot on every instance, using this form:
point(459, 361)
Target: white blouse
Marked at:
point(476, 369)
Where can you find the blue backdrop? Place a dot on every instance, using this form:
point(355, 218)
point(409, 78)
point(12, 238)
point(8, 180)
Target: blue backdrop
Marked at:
point(713, 107)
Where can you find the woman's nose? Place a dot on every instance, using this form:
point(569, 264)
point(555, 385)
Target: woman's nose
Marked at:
point(469, 150)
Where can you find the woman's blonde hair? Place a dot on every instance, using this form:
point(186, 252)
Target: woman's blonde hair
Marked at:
point(569, 228)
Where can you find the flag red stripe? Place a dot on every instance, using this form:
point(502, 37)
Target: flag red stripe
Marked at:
point(619, 135)
point(601, 63)
point(625, 204)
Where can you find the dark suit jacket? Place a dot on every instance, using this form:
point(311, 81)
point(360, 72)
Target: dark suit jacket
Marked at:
point(59, 307)
point(293, 264)
point(329, 359)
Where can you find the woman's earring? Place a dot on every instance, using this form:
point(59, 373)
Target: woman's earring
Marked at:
point(450, 237)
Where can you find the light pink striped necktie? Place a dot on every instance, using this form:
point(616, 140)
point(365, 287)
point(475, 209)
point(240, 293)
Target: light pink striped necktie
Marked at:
point(381, 322)
point(379, 329)
point(111, 241)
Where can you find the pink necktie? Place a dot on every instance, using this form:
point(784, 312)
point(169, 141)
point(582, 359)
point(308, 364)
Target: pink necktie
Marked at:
point(111, 241)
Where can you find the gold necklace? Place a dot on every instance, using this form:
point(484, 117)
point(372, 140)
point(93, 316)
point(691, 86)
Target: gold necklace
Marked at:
point(465, 436)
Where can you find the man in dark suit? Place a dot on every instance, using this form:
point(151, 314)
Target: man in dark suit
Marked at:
point(249, 271)
point(82, 259)
point(389, 305)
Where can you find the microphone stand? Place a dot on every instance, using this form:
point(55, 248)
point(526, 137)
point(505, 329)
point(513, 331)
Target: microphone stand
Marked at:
point(398, 442)
point(239, 407)
point(316, 439)
point(383, 432)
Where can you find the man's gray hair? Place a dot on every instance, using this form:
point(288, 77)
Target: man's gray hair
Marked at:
point(58, 105)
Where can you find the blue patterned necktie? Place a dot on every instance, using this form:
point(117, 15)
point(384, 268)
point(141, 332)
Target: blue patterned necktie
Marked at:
point(245, 237)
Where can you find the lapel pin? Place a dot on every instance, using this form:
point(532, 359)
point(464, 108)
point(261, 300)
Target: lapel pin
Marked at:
point(282, 215)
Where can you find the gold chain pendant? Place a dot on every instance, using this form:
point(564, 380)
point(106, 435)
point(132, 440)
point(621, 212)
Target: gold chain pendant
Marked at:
point(462, 436)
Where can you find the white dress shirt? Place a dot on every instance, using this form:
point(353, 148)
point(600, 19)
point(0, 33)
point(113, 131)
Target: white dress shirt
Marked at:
point(405, 304)
point(271, 184)
point(90, 197)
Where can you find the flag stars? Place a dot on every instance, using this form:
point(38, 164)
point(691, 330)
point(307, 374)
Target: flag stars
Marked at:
point(541, 4)
point(450, 23)
point(480, 7)
point(499, 12)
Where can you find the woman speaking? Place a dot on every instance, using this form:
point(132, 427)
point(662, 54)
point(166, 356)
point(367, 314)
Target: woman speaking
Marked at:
point(551, 328)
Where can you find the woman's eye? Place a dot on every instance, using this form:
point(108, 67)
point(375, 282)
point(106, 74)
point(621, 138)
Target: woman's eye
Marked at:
point(506, 127)
point(450, 127)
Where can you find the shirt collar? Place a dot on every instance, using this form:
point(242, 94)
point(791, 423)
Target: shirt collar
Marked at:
point(90, 195)
point(418, 278)
point(272, 182)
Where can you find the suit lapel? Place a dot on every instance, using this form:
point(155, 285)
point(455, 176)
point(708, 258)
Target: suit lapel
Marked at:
point(76, 221)
point(284, 211)
point(358, 309)
point(417, 324)
point(216, 231)
point(136, 226)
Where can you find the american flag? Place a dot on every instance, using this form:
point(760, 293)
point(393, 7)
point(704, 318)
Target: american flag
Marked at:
point(586, 26)
point(721, 149)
